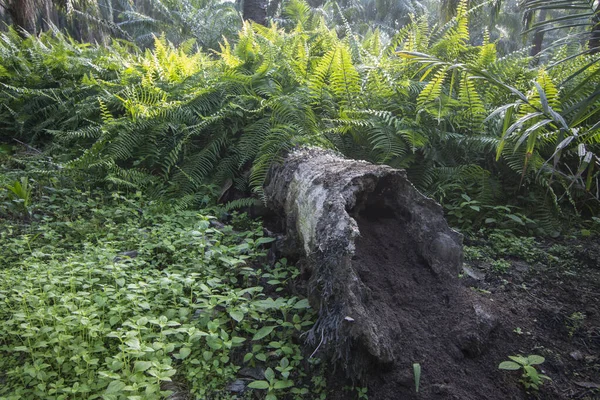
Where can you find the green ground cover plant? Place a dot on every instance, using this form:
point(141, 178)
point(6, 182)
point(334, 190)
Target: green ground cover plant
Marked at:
point(112, 296)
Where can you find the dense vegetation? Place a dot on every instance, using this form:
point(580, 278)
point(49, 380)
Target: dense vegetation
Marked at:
point(107, 295)
point(124, 123)
point(474, 130)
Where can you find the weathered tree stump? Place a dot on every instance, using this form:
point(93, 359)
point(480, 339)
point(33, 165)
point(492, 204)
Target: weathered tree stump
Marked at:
point(330, 206)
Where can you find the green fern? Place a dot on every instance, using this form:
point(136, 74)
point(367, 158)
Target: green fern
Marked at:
point(175, 121)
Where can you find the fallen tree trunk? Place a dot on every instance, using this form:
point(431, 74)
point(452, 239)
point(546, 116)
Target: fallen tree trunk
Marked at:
point(381, 262)
point(322, 197)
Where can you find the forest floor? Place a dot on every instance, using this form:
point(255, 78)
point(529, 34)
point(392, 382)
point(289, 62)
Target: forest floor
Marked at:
point(547, 299)
point(516, 296)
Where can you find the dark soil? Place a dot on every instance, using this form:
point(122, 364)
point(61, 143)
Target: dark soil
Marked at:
point(458, 332)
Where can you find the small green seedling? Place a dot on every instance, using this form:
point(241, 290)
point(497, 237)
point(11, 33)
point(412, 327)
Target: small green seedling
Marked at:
point(362, 393)
point(20, 191)
point(417, 374)
point(271, 383)
point(531, 378)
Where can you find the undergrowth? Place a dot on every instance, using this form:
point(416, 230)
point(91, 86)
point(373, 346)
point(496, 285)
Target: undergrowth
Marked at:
point(114, 296)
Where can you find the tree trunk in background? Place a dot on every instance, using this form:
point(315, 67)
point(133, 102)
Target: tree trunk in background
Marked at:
point(447, 10)
point(255, 10)
point(50, 14)
point(23, 14)
point(538, 36)
point(594, 43)
point(273, 7)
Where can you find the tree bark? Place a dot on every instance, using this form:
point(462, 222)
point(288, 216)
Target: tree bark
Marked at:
point(336, 215)
point(50, 14)
point(23, 14)
point(255, 10)
point(538, 36)
point(594, 42)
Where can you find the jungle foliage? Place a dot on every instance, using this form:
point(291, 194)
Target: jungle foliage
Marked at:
point(100, 21)
point(500, 141)
point(160, 107)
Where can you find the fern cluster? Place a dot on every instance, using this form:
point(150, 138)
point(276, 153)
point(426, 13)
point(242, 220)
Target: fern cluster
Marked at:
point(173, 120)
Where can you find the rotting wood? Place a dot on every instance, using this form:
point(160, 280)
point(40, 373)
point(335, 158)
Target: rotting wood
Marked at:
point(319, 197)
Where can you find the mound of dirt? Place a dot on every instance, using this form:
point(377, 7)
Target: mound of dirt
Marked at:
point(433, 322)
point(541, 309)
